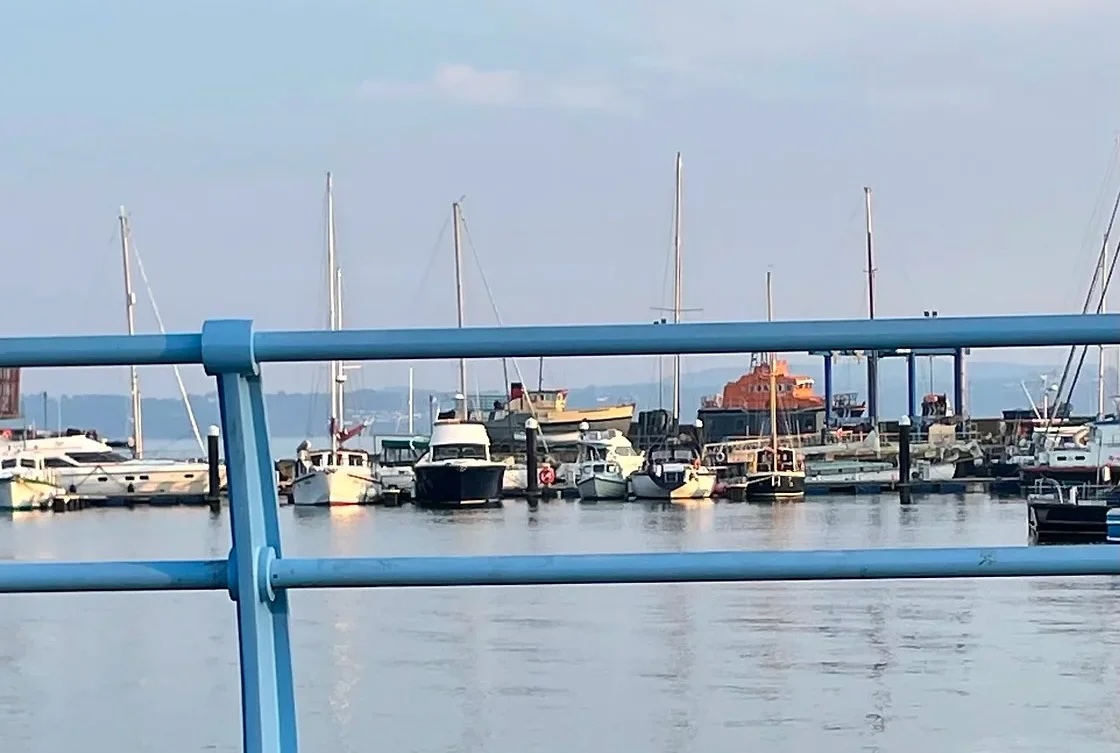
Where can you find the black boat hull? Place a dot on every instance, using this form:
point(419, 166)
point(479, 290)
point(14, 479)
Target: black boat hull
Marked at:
point(783, 486)
point(452, 485)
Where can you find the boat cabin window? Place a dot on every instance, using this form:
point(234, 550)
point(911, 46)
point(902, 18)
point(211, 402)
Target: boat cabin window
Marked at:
point(459, 452)
point(593, 452)
point(679, 455)
point(18, 462)
point(96, 458)
point(403, 455)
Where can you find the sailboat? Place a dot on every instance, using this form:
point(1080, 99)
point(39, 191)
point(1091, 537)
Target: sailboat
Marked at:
point(674, 470)
point(336, 475)
point(778, 470)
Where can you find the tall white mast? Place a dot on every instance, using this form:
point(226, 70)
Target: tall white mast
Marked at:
point(130, 316)
point(677, 273)
point(456, 223)
point(341, 365)
point(411, 404)
point(770, 360)
point(332, 306)
point(1100, 348)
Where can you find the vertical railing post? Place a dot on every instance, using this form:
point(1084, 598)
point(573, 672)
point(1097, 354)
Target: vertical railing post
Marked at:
point(267, 685)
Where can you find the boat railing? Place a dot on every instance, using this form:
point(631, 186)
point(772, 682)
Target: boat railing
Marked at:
point(258, 575)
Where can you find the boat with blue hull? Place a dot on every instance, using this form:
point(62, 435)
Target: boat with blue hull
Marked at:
point(1112, 525)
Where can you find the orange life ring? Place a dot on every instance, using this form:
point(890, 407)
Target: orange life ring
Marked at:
point(547, 476)
point(6, 434)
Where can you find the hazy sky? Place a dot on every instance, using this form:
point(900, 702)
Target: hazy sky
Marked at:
point(985, 127)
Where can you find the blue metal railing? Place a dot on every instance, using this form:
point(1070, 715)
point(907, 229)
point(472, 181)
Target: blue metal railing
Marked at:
point(258, 576)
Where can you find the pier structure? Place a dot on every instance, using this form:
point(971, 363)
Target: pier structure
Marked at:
point(958, 354)
point(258, 576)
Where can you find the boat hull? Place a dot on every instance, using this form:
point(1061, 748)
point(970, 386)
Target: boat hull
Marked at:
point(934, 472)
point(689, 485)
point(1112, 525)
point(398, 479)
point(332, 486)
point(140, 480)
point(602, 486)
point(455, 485)
point(24, 493)
point(781, 486)
point(503, 430)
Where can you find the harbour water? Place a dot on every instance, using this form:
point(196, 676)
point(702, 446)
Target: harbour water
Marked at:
point(962, 665)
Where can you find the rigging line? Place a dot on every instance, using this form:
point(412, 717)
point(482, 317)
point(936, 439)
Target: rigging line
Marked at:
point(163, 331)
point(493, 305)
point(1089, 297)
point(1100, 307)
point(1102, 193)
point(433, 256)
point(670, 262)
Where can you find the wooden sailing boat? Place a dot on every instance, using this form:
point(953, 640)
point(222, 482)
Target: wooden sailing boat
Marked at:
point(778, 470)
point(336, 475)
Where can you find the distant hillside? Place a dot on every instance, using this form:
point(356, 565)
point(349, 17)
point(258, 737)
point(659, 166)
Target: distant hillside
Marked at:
point(992, 388)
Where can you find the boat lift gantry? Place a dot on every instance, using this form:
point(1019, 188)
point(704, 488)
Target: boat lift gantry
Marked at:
point(911, 355)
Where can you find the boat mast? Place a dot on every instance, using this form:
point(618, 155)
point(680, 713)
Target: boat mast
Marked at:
point(341, 378)
point(456, 234)
point(677, 274)
point(130, 317)
point(773, 379)
point(1100, 348)
point(411, 404)
point(332, 315)
point(872, 357)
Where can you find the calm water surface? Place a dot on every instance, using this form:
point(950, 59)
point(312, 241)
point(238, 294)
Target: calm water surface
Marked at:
point(962, 666)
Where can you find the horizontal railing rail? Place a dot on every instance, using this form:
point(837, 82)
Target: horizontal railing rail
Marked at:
point(568, 569)
point(695, 338)
point(257, 576)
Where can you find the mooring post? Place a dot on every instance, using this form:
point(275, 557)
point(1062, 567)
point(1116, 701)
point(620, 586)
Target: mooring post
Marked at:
point(904, 460)
point(532, 488)
point(268, 706)
point(213, 466)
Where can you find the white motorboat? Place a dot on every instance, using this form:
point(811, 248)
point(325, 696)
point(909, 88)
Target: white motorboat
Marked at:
point(673, 472)
point(607, 460)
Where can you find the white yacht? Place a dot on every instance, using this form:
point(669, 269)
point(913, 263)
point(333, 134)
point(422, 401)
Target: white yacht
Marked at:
point(671, 472)
point(26, 483)
point(457, 470)
point(606, 462)
point(91, 468)
point(332, 477)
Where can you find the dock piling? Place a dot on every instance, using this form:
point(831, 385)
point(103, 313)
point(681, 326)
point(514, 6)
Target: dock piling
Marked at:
point(532, 488)
point(213, 462)
point(904, 460)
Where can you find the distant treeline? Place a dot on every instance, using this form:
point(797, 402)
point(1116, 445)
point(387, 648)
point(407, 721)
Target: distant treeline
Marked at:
point(993, 387)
